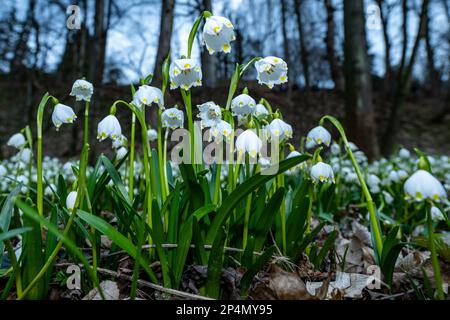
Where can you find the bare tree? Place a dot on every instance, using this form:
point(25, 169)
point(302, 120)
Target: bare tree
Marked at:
point(303, 49)
point(359, 109)
point(335, 68)
point(284, 8)
point(165, 36)
point(384, 17)
point(209, 61)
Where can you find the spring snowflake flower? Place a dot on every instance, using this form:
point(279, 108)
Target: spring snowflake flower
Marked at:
point(248, 142)
point(3, 171)
point(218, 32)
point(146, 95)
point(152, 134)
point(393, 176)
point(243, 105)
point(294, 170)
point(121, 153)
point(17, 141)
point(220, 130)
point(279, 129)
point(62, 114)
point(404, 153)
point(271, 71)
point(374, 183)
point(210, 114)
point(82, 90)
point(184, 74)
point(109, 127)
point(387, 197)
point(172, 118)
point(120, 142)
point(422, 185)
point(437, 214)
point(70, 200)
point(260, 111)
point(24, 155)
point(318, 136)
point(322, 172)
point(335, 149)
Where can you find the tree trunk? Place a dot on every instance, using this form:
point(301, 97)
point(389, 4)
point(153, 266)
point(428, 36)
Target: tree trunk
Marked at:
point(388, 76)
point(391, 132)
point(286, 44)
point(433, 76)
point(335, 68)
point(359, 109)
point(165, 36)
point(208, 60)
point(303, 50)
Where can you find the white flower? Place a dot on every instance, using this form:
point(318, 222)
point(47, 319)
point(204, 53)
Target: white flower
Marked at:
point(82, 90)
point(373, 181)
point(121, 153)
point(109, 127)
point(218, 32)
point(25, 155)
point(402, 174)
point(335, 149)
point(404, 153)
point(152, 134)
point(210, 114)
point(220, 130)
point(393, 176)
point(437, 214)
point(243, 105)
point(279, 129)
point(248, 142)
point(70, 200)
point(422, 185)
point(119, 142)
point(296, 169)
point(49, 190)
point(17, 141)
point(322, 172)
point(62, 114)
point(260, 111)
point(318, 136)
point(3, 170)
point(387, 197)
point(172, 118)
point(185, 73)
point(271, 71)
point(146, 95)
point(352, 146)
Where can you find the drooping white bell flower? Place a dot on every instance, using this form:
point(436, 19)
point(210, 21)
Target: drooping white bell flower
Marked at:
point(353, 147)
point(373, 181)
point(279, 129)
point(271, 71)
point(437, 214)
point(210, 114)
point(321, 172)
point(49, 190)
point(120, 142)
point(404, 153)
point(423, 185)
point(248, 142)
point(146, 95)
point(3, 171)
point(82, 90)
point(218, 32)
point(152, 134)
point(298, 167)
point(121, 153)
point(17, 141)
point(318, 136)
point(220, 130)
point(184, 74)
point(335, 149)
point(260, 111)
point(62, 114)
point(393, 176)
point(387, 197)
point(402, 174)
point(109, 127)
point(25, 155)
point(243, 105)
point(172, 118)
point(70, 200)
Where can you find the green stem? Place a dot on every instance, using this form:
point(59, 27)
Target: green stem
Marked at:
point(283, 205)
point(434, 258)
point(131, 172)
point(186, 94)
point(166, 180)
point(15, 265)
point(86, 123)
point(160, 158)
point(217, 183)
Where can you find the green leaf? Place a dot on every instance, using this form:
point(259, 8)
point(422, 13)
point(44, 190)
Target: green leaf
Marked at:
point(182, 250)
point(5, 216)
point(244, 190)
point(391, 249)
point(215, 265)
point(193, 33)
point(13, 233)
point(251, 272)
point(327, 246)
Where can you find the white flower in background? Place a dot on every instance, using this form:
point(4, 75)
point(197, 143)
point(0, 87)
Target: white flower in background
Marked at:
point(422, 185)
point(3, 171)
point(146, 95)
point(25, 155)
point(298, 167)
point(393, 176)
point(404, 153)
point(352, 146)
point(387, 197)
point(402, 174)
point(82, 90)
point(121, 153)
point(437, 214)
point(322, 172)
point(49, 190)
point(248, 142)
point(184, 74)
point(220, 130)
point(264, 163)
point(318, 136)
point(218, 32)
point(335, 149)
point(279, 129)
point(271, 71)
point(17, 141)
point(243, 105)
point(260, 111)
point(70, 200)
point(210, 114)
point(62, 114)
point(172, 118)
point(374, 183)
point(152, 134)
point(109, 127)
point(120, 142)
